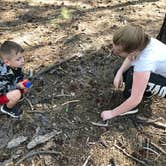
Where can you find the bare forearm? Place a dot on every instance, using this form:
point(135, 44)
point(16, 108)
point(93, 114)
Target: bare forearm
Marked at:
point(124, 107)
point(126, 64)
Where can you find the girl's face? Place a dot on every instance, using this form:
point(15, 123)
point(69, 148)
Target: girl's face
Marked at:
point(118, 50)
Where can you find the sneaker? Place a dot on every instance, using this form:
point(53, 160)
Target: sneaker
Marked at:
point(14, 112)
point(130, 112)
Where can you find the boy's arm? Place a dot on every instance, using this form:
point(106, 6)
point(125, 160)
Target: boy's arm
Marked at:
point(19, 75)
point(4, 85)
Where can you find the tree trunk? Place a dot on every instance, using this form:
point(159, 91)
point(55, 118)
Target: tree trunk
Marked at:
point(162, 34)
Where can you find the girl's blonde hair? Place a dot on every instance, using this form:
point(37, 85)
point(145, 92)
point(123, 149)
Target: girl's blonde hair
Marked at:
point(131, 38)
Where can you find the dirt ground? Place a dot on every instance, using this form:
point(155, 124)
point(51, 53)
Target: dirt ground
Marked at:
point(67, 49)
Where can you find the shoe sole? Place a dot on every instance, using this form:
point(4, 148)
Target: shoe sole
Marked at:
point(129, 112)
point(5, 112)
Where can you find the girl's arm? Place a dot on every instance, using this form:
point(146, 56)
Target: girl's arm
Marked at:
point(118, 80)
point(140, 81)
point(126, 64)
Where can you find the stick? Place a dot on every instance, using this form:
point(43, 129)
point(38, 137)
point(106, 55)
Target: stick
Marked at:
point(72, 101)
point(100, 124)
point(159, 148)
point(29, 102)
point(160, 134)
point(31, 154)
point(86, 161)
point(149, 149)
point(63, 95)
point(130, 156)
point(151, 121)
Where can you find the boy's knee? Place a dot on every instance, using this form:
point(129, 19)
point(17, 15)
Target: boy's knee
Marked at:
point(14, 95)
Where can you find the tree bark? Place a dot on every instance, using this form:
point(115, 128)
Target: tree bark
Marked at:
point(162, 34)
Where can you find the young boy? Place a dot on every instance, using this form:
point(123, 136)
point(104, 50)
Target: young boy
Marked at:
point(143, 70)
point(11, 78)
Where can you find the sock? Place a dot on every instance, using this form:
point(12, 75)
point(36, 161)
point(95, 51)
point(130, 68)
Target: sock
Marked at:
point(6, 108)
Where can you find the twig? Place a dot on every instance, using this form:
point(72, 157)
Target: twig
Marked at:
point(63, 95)
point(130, 156)
point(148, 120)
point(36, 112)
point(100, 124)
point(31, 154)
point(160, 134)
point(29, 102)
point(147, 153)
point(159, 148)
point(72, 101)
point(86, 161)
point(28, 44)
point(149, 149)
point(151, 121)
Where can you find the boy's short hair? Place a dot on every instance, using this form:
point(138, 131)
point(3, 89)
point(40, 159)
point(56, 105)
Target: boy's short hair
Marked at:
point(8, 47)
point(131, 38)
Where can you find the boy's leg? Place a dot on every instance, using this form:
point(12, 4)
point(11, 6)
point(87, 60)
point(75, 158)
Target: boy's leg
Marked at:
point(13, 97)
point(10, 107)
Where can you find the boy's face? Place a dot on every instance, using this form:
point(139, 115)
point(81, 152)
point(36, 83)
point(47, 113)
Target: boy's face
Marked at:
point(16, 61)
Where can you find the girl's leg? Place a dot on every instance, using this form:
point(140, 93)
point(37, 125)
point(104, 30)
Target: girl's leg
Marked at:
point(156, 84)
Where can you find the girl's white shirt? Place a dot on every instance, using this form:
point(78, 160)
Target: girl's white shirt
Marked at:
point(152, 58)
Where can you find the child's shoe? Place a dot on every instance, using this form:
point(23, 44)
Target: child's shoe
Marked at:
point(14, 112)
point(130, 112)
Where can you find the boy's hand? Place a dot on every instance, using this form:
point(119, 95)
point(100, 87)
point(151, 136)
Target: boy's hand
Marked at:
point(20, 85)
point(24, 84)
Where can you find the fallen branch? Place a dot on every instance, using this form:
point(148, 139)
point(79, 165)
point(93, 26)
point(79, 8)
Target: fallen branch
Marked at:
point(151, 121)
point(49, 68)
point(42, 139)
point(31, 154)
point(130, 156)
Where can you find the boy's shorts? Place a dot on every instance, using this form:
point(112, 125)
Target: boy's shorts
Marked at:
point(3, 99)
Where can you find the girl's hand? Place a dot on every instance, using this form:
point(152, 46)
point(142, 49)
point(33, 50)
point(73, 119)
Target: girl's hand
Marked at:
point(118, 80)
point(105, 115)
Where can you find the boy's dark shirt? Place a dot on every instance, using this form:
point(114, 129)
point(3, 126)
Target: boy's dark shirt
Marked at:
point(9, 78)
